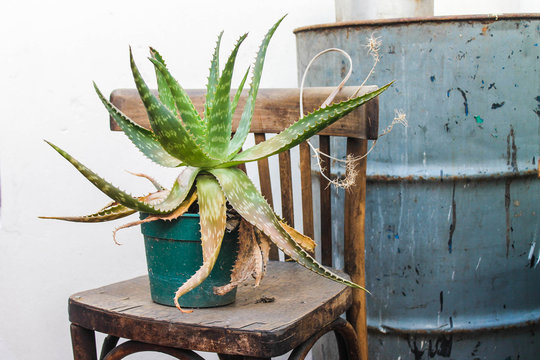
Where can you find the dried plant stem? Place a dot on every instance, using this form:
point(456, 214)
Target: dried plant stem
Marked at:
point(373, 45)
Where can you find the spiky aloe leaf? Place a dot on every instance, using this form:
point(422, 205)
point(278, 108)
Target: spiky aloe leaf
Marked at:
point(180, 188)
point(169, 130)
point(304, 241)
point(180, 210)
point(212, 79)
point(189, 115)
point(111, 212)
point(303, 129)
point(219, 120)
point(245, 121)
point(251, 205)
point(165, 95)
point(239, 92)
point(154, 182)
point(142, 138)
point(212, 211)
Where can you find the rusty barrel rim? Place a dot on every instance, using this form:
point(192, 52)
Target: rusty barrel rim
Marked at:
point(416, 20)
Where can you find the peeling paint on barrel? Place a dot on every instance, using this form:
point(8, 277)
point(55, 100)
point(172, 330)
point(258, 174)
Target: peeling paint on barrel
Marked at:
point(450, 259)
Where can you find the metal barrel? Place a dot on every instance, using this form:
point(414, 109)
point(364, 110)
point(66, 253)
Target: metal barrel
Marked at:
point(453, 200)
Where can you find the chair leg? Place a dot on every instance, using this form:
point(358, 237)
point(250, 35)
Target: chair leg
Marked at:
point(109, 343)
point(83, 342)
point(345, 336)
point(131, 347)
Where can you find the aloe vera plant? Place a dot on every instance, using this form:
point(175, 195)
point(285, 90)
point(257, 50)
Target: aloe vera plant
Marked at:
point(207, 153)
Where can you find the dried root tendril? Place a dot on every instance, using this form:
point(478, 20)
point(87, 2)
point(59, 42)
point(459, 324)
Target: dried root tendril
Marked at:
point(373, 48)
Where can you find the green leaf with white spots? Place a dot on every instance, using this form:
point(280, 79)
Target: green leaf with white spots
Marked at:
point(189, 115)
point(212, 79)
point(142, 138)
point(153, 181)
point(219, 120)
point(111, 212)
point(180, 189)
point(245, 122)
point(169, 130)
point(239, 93)
point(303, 129)
point(251, 205)
point(212, 210)
point(165, 95)
point(106, 187)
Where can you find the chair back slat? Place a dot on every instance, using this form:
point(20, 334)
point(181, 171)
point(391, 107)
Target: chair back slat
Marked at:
point(307, 192)
point(285, 177)
point(326, 205)
point(266, 188)
point(264, 173)
point(275, 110)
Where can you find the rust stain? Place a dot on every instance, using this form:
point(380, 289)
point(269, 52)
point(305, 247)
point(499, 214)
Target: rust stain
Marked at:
point(453, 224)
point(477, 177)
point(511, 150)
point(484, 30)
point(507, 201)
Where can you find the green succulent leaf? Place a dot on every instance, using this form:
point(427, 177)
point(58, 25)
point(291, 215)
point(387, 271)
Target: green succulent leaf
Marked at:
point(142, 138)
point(212, 79)
point(169, 130)
point(245, 121)
point(219, 119)
point(303, 129)
point(180, 189)
point(153, 181)
point(213, 217)
point(165, 95)
point(106, 187)
point(112, 212)
point(189, 115)
point(239, 92)
point(251, 205)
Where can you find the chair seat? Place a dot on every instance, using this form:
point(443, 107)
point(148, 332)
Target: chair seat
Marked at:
point(270, 320)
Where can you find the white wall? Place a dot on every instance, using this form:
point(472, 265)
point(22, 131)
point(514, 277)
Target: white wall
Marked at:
point(50, 53)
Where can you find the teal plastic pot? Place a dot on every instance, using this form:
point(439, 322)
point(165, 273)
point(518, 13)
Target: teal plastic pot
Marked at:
point(174, 254)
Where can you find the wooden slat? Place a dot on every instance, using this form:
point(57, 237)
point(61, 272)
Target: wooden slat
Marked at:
point(355, 216)
point(266, 189)
point(287, 206)
point(326, 206)
point(264, 173)
point(307, 193)
point(275, 109)
point(242, 167)
point(371, 114)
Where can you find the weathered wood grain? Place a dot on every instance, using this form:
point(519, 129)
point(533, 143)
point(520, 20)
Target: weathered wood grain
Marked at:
point(245, 327)
point(266, 188)
point(326, 204)
point(275, 109)
point(307, 192)
point(84, 343)
point(285, 178)
point(355, 210)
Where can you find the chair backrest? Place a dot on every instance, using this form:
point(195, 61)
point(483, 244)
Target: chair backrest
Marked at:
point(275, 110)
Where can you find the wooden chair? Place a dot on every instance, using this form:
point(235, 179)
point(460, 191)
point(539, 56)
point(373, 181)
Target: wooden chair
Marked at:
point(293, 307)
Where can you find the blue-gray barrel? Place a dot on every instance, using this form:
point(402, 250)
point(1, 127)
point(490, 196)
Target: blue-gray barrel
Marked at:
point(453, 200)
